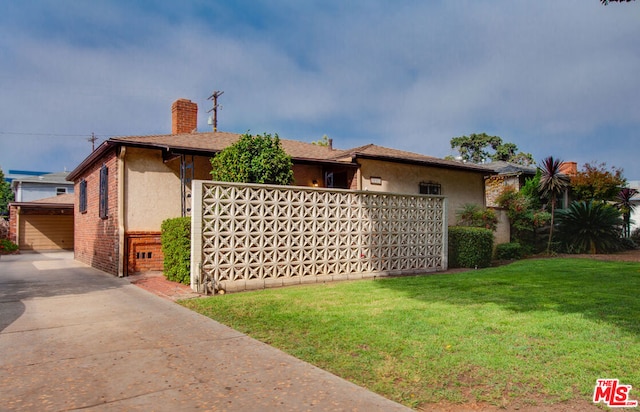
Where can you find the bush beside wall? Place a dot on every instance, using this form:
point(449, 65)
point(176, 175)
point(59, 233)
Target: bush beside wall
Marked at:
point(509, 251)
point(176, 248)
point(470, 247)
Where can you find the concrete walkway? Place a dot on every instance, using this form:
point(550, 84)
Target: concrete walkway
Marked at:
point(72, 337)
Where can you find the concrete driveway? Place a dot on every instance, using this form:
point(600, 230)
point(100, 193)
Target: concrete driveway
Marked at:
point(72, 337)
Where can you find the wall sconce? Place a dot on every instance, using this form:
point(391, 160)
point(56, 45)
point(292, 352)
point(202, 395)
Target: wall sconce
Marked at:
point(315, 183)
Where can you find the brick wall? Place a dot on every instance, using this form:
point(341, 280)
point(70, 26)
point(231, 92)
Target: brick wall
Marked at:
point(144, 252)
point(184, 116)
point(96, 239)
point(13, 218)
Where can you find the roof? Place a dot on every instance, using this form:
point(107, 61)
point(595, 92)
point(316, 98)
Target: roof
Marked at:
point(61, 201)
point(508, 168)
point(209, 143)
point(59, 178)
point(372, 151)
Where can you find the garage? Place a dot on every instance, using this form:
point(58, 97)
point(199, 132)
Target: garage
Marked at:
point(45, 224)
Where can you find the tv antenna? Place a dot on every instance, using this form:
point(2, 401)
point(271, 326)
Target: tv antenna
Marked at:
point(213, 119)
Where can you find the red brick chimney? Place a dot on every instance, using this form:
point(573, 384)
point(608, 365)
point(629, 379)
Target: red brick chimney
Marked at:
point(184, 116)
point(569, 168)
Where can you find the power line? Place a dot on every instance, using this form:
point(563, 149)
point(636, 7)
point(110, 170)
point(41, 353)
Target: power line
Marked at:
point(55, 134)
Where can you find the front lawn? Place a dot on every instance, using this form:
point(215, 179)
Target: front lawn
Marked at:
point(530, 332)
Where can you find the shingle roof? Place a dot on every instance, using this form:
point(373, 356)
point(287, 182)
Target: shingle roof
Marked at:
point(209, 143)
point(381, 152)
point(502, 167)
point(53, 178)
point(216, 141)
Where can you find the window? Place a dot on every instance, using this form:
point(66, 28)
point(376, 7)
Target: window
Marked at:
point(83, 196)
point(104, 192)
point(429, 188)
point(61, 191)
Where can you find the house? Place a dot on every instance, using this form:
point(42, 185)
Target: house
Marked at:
point(635, 200)
point(39, 185)
point(508, 175)
point(129, 185)
point(43, 224)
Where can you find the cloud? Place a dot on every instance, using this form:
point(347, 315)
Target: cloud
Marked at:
point(548, 76)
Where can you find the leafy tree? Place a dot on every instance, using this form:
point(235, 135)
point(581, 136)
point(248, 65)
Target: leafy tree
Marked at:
point(525, 216)
point(6, 195)
point(474, 215)
point(552, 183)
point(253, 159)
point(626, 206)
point(595, 182)
point(592, 227)
point(477, 148)
point(605, 2)
point(322, 142)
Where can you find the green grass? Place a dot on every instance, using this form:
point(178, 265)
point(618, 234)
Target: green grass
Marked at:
point(532, 331)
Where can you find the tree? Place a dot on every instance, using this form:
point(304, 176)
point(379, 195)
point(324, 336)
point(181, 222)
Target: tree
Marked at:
point(595, 182)
point(6, 195)
point(605, 2)
point(626, 206)
point(322, 142)
point(552, 183)
point(253, 159)
point(477, 148)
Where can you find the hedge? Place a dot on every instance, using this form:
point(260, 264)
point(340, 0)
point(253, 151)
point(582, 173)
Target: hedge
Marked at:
point(470, 247)
point(176, 248)
point(509, 251)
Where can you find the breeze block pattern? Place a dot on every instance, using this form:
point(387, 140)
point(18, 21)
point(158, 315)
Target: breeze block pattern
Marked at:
point(257, 236)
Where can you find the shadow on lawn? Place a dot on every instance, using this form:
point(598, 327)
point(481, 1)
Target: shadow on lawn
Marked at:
point(602, 291)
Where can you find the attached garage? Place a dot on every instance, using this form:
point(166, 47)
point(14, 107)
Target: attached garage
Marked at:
point(45, 224)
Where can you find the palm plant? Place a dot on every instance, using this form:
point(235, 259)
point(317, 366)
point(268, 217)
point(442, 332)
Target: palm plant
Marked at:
point(626, 206)
point(552, 183)
point(592, 227)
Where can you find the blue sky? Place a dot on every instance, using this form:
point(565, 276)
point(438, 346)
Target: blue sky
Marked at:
point(554, 77)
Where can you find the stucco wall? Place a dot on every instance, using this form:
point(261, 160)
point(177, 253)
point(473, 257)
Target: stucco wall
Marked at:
point(152, 190)
point(459, 187)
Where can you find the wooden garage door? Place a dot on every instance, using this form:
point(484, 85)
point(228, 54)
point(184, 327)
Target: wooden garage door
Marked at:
point(46, 232)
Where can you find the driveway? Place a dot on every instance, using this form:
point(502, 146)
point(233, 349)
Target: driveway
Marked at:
point(72, 337)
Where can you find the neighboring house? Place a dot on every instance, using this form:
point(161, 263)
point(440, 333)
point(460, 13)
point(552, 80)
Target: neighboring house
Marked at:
point(129, 185)
point(43, 224)
point(509, 175)
point(28, 188)
point(635, 214)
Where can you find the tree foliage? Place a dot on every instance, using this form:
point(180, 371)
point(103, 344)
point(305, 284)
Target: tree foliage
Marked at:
point(552, 183)
point(473, 215)
point(595, 182)
point(322, 142)
point(605, 2)
point(478, 147)
point(253, 159)
point(626, 206)
point(6, 195)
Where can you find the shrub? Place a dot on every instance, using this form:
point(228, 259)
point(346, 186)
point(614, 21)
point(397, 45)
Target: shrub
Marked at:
point(176, 248)
point(7, 246)
point(509, 251)
point(470, 247)
point(590, 227)
point(473, 215)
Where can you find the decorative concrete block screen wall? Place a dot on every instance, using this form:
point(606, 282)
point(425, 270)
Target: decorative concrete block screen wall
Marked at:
point(256, 236)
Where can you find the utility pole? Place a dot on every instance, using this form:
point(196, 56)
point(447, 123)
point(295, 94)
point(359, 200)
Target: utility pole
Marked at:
point(93, 139)
point(214, 109)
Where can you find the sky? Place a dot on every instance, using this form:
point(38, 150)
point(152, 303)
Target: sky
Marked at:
point(557, 78)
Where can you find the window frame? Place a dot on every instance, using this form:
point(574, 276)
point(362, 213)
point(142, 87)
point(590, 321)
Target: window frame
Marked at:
point(82, 203)
point(104, 192)
point(430, 188)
